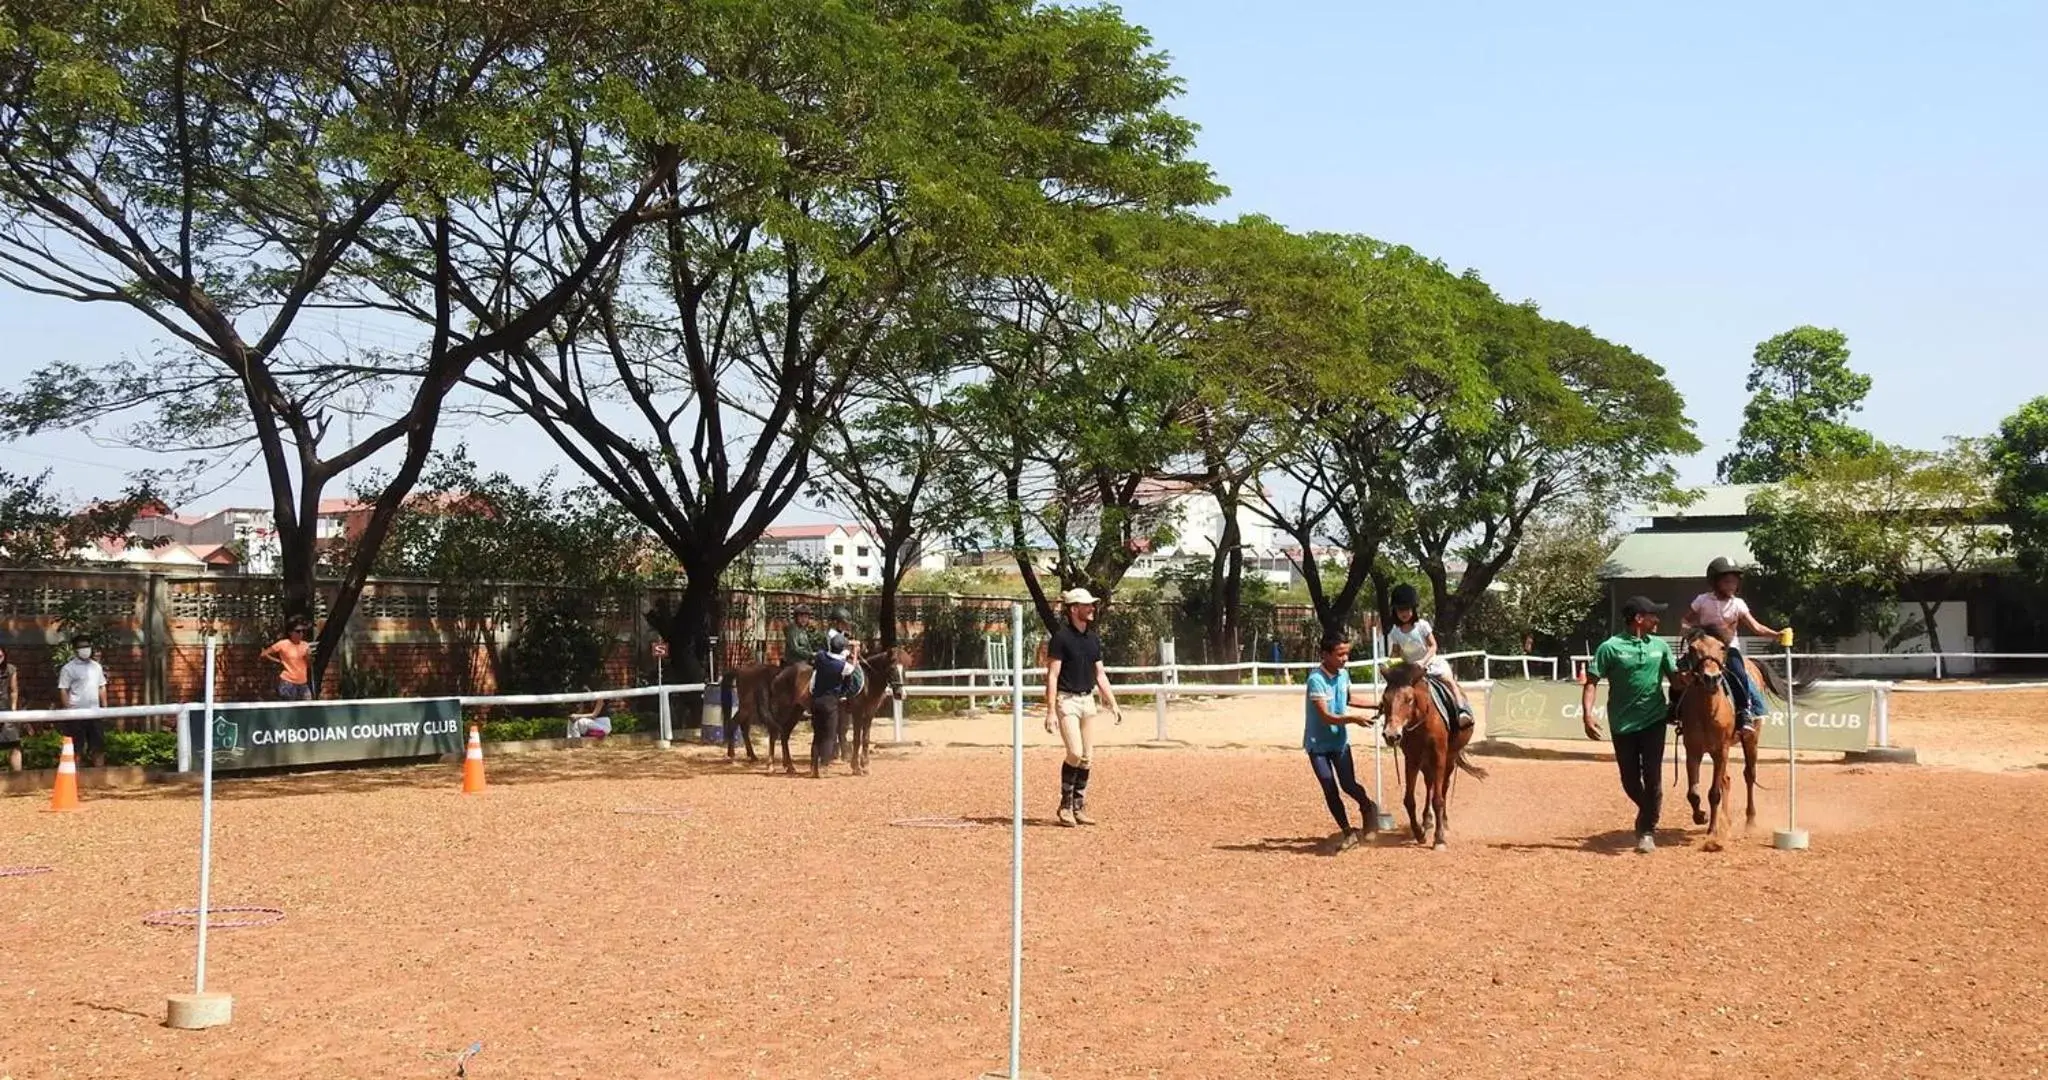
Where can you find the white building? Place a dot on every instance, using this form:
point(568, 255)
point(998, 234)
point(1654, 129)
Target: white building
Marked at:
point(850, 555)
point(1196, 519)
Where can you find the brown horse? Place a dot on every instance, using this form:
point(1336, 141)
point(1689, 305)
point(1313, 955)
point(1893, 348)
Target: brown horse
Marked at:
point(883, 679)
point(1413, 722)
point(776, 696)
point(1706, 722)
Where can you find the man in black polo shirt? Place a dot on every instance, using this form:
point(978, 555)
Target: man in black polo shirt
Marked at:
point(1073, 676)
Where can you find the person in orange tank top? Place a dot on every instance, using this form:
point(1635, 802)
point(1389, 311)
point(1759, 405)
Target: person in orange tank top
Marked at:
point(293, 655)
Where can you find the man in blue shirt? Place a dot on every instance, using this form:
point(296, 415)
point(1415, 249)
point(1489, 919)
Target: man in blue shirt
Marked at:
point(1328, 741)
point(832, 678)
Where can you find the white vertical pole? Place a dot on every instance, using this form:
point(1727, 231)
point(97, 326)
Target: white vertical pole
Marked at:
point(206, 817)
point(1379, 742)
point(1485, 667)
point(1016, 839)
point(667, 723)
point(1884, 716)
point(1791, 753)
point(1792, 837)
point(896, 706)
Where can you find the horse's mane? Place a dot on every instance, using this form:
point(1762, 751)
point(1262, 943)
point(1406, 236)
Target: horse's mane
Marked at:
point(1403, 676)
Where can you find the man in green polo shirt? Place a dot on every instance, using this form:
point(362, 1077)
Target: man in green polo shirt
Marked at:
point(1636, 664)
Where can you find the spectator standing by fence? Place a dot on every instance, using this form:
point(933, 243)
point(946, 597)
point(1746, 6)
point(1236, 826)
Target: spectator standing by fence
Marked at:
point(82, 684)
point(10, 700)
point(293, 655)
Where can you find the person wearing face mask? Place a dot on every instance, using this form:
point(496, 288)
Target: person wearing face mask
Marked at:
point(82, 684)
point(10, 700)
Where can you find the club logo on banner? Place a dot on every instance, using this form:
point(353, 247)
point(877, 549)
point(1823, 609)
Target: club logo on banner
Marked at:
point(1831, 717)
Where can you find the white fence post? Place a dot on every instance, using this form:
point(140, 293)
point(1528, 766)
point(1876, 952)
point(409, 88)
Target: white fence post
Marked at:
point(1016, 839)
point(896, 706)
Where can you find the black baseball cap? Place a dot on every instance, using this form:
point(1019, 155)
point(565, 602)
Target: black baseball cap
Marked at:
point(1641, 605)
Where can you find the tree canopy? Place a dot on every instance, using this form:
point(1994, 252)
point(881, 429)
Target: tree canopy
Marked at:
point(1841, 544)
point(1802, 396)
point(2019, 461)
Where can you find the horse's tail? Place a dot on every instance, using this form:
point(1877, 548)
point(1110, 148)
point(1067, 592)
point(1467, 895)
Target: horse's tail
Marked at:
point(1469, 768)
point(1773, 678)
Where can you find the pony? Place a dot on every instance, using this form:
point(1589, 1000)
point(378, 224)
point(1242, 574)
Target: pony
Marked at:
point(1413, 722)
point(776, 696)
point(882, 679)
point(1706, 723)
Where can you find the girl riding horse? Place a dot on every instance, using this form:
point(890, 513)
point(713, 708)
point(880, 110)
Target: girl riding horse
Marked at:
point(1413, 641)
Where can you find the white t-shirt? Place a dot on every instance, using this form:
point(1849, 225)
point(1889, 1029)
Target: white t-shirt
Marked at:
point(1409, 644)
point(1714, 613)
point(83, 679)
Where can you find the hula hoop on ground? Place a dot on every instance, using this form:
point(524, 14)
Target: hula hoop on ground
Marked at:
point(935, 823)
point(24, 871)
point(653, 811)
point(239, 918)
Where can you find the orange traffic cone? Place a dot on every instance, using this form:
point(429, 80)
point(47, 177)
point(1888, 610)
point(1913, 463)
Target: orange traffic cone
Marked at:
point(473, 764)
point(64, 796)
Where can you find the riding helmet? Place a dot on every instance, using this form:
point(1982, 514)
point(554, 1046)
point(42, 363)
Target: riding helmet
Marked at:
point(1405, 596)
point(842, 615)
point(1722, 566)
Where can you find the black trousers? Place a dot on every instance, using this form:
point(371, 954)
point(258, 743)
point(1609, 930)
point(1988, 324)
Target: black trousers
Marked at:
point(824, 731)
point(1335, 774)
point(1640, 754)
point(88, 739)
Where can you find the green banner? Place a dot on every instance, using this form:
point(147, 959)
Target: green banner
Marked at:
point(1830, 717)
point(317, 733)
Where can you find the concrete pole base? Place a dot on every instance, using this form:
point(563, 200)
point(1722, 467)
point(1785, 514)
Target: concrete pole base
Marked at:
point(663, 744)
point(194, 1012)
point(1883, 755)
point(1789, 839)
point(1382, 821)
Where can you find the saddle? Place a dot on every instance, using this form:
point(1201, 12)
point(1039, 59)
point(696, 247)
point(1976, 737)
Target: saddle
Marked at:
point(1446, 700)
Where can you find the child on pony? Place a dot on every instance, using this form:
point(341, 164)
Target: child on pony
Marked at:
point(1723, 614)
point(1412, 640)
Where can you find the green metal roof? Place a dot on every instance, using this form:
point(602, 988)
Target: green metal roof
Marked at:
point(1674, 554)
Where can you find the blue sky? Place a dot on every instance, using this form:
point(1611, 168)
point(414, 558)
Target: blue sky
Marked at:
point(1686, 179)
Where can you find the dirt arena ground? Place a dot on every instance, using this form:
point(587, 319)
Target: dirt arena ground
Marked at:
point(782, 928)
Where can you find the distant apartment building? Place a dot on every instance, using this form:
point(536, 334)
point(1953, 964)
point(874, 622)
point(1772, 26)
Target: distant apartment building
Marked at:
point(241, 537)
point(849, 553)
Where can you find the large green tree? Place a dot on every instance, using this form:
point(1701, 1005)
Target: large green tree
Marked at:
point(1802, 396)
point(856, 154)
point(1569, 419)
point(2019, 460)
point(1845, 540)
point(231, 173)
point(895, 457)
point(1104, 401)
point(1336, 432)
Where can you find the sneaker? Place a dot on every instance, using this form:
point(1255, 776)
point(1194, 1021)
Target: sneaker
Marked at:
point(1646, 844)
point(1081, 812)
point(1372, 820)
point(1347, 840)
